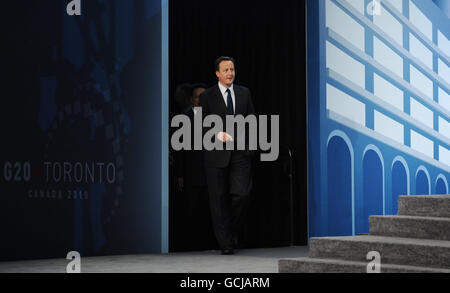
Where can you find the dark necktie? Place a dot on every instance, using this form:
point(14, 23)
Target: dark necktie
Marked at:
point(229, 103)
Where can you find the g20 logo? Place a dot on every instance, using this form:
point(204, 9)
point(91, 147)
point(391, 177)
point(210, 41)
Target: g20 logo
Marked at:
point(17, 171)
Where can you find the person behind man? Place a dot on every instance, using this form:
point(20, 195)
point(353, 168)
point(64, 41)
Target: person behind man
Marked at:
point(191, 181)
point(228, 172)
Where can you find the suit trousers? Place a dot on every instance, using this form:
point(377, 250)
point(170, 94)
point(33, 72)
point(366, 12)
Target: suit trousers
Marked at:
point(229, 190)
point(197, 224)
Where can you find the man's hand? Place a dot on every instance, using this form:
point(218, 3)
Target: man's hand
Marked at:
point(224, 137)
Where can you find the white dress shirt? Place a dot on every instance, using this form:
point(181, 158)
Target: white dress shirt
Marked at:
point(223, 90)
point(195, 110)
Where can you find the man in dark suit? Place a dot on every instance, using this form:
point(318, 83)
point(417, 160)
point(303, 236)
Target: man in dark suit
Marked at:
point(228, 172)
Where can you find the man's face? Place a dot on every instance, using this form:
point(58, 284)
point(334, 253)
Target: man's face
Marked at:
point(226, 73)
point(196, 96)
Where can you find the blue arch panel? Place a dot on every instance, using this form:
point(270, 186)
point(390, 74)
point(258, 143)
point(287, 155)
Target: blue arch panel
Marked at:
point(373, 190)
point(422, 184)
point(399, 184)
point(441, 188)
point(339, 188)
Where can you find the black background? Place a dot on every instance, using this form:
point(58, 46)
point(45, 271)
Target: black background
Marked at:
point(268, 41)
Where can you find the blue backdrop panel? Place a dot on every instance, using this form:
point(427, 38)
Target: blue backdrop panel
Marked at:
point(378, 108)
point(84, 138)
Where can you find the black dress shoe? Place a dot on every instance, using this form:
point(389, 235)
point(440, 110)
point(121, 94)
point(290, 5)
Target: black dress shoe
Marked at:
point(229, 251)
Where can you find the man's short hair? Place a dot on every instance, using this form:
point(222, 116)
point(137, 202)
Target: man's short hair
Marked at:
point(221, 59)
point(197, 86)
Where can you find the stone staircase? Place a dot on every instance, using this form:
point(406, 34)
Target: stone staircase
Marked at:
point(417, 240)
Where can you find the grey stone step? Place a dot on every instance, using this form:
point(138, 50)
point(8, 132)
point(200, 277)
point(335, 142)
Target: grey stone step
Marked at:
point(410, 227)
point(424, 206)
point(393, 250)
point(316, 265)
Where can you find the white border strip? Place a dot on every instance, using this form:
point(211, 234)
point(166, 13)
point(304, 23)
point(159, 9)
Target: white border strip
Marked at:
point(165, 126)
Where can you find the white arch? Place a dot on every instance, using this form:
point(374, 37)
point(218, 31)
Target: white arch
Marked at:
point(441, 176)
point(341, 134)
point(422, 168)
point(405, 165)
point(372, 147)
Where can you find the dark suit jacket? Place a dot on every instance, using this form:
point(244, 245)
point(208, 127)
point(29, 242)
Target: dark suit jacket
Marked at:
point(212, 103)
point(190, 165)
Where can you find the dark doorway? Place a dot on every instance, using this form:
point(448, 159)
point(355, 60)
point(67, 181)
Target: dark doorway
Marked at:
point(267, 39)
